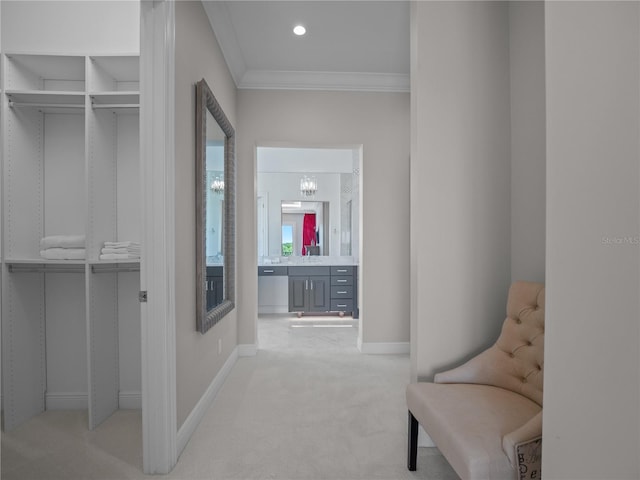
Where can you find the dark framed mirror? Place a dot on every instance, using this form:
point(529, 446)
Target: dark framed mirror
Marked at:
point(215, 210)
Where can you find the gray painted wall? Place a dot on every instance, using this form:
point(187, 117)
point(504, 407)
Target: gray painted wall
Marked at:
point(460, 180)
point(379, 122)
point(197, 56)
point(592, 367)
point(528, 152)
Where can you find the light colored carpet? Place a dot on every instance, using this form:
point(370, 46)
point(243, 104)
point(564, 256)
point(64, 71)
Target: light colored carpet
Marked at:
point(309, 406)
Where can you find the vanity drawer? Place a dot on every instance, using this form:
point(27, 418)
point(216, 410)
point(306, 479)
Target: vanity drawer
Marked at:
point(342, 305)
point(270, 271)
point(341, 292)
point(341, 280)
point(346, 270)
point(214, 271)
point(308, 270)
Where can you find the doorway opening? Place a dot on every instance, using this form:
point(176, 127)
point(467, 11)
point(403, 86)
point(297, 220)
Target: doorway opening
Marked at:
point(308, 224)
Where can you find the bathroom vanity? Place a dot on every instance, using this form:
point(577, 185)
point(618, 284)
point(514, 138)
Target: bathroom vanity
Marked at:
point(313, 287)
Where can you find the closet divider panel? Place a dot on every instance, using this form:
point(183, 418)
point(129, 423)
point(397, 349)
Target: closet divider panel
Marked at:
point(23, 347)
point(2, 269)
point(102, 180)
point(129, 220)
point(129, 339)
point(102, 308)
point(102, 340)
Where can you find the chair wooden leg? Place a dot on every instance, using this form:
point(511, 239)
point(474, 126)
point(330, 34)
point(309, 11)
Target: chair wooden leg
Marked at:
point(413, 443)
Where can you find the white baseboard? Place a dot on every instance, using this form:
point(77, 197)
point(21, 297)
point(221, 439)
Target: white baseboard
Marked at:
point(191, 423)
point(66, 401)
point(424, 440)
point(247, 350)
point(130, 400)
point(272, 309)
point(382, 348)
point(80, 401)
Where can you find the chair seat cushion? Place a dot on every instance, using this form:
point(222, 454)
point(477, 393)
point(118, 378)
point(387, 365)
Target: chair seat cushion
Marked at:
point(467, 423)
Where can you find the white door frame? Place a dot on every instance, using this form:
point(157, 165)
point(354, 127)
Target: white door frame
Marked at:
point(157, 266)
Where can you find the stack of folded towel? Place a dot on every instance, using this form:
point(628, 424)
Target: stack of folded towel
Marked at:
point(120, 251)
point(63, 247)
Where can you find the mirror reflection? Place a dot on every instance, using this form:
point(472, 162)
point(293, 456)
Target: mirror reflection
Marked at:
point(215, 192)
point(308, 203)
point(305, 228)
point(215, 210)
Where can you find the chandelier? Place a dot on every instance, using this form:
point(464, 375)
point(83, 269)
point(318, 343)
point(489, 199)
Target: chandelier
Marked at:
point(218, 185)
point(308, 186)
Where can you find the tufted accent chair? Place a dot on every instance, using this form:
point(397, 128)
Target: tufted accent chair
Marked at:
point(485, 416)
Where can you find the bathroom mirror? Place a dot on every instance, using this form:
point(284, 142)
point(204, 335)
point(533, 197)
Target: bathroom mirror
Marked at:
point(215, 210)
point(305, 228)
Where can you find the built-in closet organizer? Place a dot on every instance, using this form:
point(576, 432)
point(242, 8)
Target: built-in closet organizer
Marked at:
point(70, 328)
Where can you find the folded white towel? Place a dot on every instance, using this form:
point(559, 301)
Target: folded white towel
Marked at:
point(115, 250)
point(123, 244)
point(118, 256)
point(63, 253)
point(62, 241)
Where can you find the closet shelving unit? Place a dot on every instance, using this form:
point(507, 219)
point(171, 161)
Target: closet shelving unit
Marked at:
point(70, 328)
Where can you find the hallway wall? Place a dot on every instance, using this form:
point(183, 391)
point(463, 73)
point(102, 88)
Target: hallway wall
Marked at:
point(528, 141)
point(460, 180)
point(592, 354)
point(379, 122)
point(197, 56)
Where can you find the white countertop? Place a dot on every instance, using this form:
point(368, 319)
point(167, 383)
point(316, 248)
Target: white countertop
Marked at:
point(308, 260)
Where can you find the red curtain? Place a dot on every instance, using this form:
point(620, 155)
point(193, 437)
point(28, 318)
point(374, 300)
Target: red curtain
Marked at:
point(308, 231)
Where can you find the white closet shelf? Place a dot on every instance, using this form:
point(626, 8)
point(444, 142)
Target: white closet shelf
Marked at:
point(37, 97)
point(50, 101)
point(116, 100)
point(45, 266)
point(106, 266)
point(43, 261)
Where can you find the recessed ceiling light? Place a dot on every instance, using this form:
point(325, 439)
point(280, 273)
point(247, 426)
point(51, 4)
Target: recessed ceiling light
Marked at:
point(299, 30)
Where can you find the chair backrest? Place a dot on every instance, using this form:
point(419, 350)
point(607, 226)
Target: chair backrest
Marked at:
point(516, 361)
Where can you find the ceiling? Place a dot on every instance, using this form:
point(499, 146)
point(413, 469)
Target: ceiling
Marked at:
point(349, 45)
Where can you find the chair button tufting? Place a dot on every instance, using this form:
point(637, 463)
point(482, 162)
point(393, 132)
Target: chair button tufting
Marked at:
point(529, 344)
point(518, 321)
point(524, 380)
point(511, 355)
point(539, 368)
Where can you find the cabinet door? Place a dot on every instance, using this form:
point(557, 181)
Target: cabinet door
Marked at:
point(211, 294)
point(298, 296)
point(214, 288)
point(319, 294)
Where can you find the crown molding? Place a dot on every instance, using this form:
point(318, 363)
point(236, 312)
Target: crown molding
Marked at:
point(225, 34)
point(343, 81)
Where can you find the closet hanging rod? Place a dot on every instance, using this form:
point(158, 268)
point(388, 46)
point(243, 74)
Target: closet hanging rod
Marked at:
point(45, 269)
point(45, 105)
point(100, 269)
point(116, 105)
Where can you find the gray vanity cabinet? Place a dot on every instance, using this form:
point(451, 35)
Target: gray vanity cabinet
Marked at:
point(309, 289)
point(214, 286)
